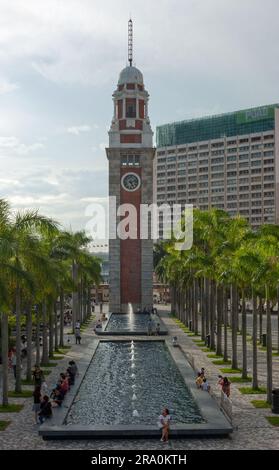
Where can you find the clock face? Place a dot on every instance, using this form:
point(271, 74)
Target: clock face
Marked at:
point(130, 181)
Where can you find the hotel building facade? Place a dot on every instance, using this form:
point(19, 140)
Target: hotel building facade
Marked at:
point(228, 161)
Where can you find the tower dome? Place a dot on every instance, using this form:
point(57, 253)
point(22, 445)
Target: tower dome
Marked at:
point(130, 75)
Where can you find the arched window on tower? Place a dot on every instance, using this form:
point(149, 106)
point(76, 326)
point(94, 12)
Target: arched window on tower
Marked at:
point(131, 107)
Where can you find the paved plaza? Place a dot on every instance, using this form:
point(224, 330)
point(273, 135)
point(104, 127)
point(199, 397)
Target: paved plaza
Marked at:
point(251, 429)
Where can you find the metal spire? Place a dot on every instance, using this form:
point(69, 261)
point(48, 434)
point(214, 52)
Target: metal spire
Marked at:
point(130, 42)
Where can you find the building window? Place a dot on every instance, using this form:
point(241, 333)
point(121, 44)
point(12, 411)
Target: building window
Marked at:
point(131, 160)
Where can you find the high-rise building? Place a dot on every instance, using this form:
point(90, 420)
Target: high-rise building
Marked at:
point(229, 161)
point(130, 155)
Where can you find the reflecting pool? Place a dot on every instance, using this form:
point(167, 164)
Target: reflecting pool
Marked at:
point(129, 382)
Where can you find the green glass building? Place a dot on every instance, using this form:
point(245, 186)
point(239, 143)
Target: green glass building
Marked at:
point(230, 161)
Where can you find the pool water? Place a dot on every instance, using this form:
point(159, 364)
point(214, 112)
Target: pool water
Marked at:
point(129, 322)
point(130, 382)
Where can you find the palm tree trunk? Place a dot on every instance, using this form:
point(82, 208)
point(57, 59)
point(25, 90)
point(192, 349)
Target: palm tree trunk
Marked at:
point(234, 315)
point(187, 306)
point(4, 352)
point(225, 310)
point(244, 337)
point(212, 314)
point(196, 307)
point(45, 341)
point(261, 319)
point(29, 343)
point(268, 347)
point(184, 313)
point(191, 308)
point(219, 319)
point(207, 306)
point(80, 302)
point(203, 308)
point(178, 307)
point(84, 303)
point(255, 384)
point(38, 321)
point(55, 326)
point(18, 341)
point(88, 302)
point(75, 294)
point(51, 329)
point(61, 335)
point(278, 320)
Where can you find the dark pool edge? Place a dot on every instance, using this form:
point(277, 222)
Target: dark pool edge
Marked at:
point(131, 431)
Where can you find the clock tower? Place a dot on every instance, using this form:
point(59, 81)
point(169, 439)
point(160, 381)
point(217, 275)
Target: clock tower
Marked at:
point(130, 155)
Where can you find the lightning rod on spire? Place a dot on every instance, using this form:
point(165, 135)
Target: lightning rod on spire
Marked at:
point(130, 41)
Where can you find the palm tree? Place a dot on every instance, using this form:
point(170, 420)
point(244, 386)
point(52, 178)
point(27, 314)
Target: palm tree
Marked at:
point(268, 276)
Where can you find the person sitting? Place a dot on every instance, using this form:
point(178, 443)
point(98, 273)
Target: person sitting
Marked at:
point(205, 385)
point(64, 384)
point(98, 326)
point(45, 409)
point(220, 381)
point(164, 424)
point(57, 397)
point(199, 380)
point(226, 387)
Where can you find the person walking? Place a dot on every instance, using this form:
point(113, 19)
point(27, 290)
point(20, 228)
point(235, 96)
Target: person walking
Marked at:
point(164, 424)
point(36, 402)
point(77, 335)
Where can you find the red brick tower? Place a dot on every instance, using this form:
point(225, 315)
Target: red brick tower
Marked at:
point(130, 156)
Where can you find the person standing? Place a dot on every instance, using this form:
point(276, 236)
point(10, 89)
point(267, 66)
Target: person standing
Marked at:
point(77, 335)
point(164, 423)
point(36, 402)
point(38, 375)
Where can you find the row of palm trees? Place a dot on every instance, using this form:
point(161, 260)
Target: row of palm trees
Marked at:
point(39, 265)
point(228, 264)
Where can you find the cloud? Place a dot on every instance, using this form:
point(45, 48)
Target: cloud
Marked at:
point(13, 144)
point(7, 86)
point(76, 130)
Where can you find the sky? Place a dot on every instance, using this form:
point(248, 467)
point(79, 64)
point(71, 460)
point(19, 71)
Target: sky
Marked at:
point(59, 65)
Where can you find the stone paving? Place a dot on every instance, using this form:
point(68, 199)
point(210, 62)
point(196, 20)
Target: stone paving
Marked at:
point(252, 431)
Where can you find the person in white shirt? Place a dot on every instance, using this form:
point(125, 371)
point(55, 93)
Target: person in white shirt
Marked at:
point(164, 424)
